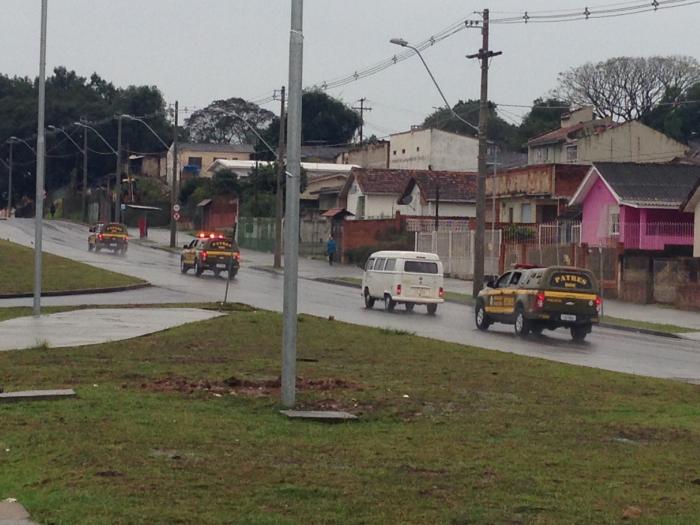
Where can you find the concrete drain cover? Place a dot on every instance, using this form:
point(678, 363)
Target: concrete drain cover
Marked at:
point(327, 416)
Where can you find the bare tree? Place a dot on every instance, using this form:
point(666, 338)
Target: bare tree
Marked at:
point(627, 88)
point(221, 122)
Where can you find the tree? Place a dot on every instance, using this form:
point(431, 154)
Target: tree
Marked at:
point(544, 116)
point(220, 122)
point(627, 88)
point(678, 114)
point(498, 129)
point(327, 120)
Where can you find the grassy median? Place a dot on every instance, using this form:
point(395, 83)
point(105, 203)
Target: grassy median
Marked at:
point(182, 427)
point(58, 273)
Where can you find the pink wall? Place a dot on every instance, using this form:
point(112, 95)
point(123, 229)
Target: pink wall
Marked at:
point(594, 225)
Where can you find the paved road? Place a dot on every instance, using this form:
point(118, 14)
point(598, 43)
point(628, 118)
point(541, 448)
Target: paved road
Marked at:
point(605, 348)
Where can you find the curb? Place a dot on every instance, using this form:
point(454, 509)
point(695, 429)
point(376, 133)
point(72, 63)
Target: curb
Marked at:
point(59, 293)
point(156, 246)
point(630, 329)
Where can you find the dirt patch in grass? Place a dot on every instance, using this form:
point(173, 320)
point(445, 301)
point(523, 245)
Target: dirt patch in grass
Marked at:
point(245, 387)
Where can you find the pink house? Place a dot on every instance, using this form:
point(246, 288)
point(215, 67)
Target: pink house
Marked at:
point(637, 205)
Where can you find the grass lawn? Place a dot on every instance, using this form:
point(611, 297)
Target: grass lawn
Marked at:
point(59, 273)
point(182, 427)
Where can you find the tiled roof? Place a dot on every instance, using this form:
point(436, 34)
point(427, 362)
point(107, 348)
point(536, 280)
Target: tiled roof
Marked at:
point(453, 186)
point(389, 182)
point(562, 134)
point(650, 185)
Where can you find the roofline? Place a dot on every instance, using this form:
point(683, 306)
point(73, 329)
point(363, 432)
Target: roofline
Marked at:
point(586, 185)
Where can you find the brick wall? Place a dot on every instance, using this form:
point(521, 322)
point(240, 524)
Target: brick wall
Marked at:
point(366, 233)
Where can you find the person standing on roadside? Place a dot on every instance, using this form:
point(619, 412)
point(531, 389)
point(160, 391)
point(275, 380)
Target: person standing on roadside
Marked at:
point(330, 249)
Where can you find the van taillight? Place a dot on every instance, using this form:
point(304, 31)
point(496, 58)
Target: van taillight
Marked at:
point(204, 256)
point(598, 304)
point(539, 300)
point(441, 292)
point(398, 289)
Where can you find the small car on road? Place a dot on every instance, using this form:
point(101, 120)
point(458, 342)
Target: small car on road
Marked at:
point(211, 252)
point(110, 236)
point(402, 277)
point(535, 299)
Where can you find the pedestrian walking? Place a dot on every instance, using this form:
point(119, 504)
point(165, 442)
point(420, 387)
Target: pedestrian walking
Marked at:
point(330, 249)
point(52, 210)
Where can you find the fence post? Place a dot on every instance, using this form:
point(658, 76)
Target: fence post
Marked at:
point(415, 241)
point(449, 251)
point(502, 257)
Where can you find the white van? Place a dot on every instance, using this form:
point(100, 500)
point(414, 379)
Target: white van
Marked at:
point(407, 278)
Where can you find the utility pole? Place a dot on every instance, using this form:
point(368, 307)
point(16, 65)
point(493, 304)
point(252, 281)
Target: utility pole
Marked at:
point(483, 55)
point(291, 231)
point(362, 110)
point(85, 175)
point(40, 165)
point(9, 184)
point(279, 202)
point(173, 184)
point(118, 183)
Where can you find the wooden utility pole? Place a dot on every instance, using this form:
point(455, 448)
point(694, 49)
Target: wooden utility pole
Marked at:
point(362, 110)
point(484, 55)
point(280, 178)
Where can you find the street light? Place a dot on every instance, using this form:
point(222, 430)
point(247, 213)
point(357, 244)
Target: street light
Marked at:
point(83, 150)
point(403, 43)
point(104, 140)
point(11, 141)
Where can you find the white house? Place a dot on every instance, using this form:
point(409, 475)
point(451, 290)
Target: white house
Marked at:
point(449, 193)
point(433, 149)
point(373, 193)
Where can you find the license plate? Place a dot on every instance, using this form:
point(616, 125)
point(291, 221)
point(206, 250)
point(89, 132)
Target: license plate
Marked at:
point(568, 317)
point(221, 265)
point(422, 292)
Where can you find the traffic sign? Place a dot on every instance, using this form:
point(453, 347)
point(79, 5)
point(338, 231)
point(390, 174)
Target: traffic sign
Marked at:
point(176, 216)
point(176, 208)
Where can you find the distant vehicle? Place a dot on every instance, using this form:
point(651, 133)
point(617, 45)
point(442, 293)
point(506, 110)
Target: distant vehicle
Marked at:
point(211, 251)
point(535, 299)
point(407, 278)
point(110, 236)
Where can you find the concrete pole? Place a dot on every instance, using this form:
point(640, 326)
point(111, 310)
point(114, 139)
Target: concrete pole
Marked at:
point(291, 231)
point(40, 164)
point(173, 186)
point(9, 185)
point(279, 202)
point(85, 175)
point(118, 183)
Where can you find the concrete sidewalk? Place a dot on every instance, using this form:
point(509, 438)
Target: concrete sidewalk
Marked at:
point(93, 326)
point(12, 513)
point(311, 269)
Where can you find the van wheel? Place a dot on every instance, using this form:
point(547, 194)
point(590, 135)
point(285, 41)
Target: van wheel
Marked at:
point(580, 331)
point(409, 307)
point(432, 308)
point(183, 266)
point(482, 320)
point(369, 300)
point(522, 325)
point(389, 303)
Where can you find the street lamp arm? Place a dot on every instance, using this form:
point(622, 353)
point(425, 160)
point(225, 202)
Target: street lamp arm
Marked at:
point(56, 128)
point(403, 43)
point(17, 139)
point(131, 117)
point(5, 164)
point(83, 125)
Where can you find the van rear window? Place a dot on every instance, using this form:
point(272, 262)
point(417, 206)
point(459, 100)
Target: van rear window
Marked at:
point(420, 267)
point(570, 281)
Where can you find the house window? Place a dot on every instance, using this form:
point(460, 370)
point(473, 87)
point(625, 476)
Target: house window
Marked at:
point(526, 212)
point(403, 151)
point(194, 161)
point(361, 207)
point(572, 153)
point(394, 152)
point(540, 154)
point(510, 214)
point(614, 220)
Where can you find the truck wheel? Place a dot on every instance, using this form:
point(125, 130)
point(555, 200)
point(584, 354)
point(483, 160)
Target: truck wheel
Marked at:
point(480, 317)
point(522, 325)
point(232, 274)
point(198, 269)
point(432, 308)
point(89, 247)
point(183, 266)
point(389, 303)
point(580, 331)
point(537, 329)
point(369, 300)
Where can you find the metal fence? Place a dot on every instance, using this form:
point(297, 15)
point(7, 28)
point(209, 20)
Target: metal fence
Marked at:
point(456, 251)
point(258, 233)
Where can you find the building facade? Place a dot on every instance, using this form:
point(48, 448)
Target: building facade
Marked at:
point(433, 149)
point(193, 159)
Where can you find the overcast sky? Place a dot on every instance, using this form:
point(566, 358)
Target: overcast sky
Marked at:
point(197, 51)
